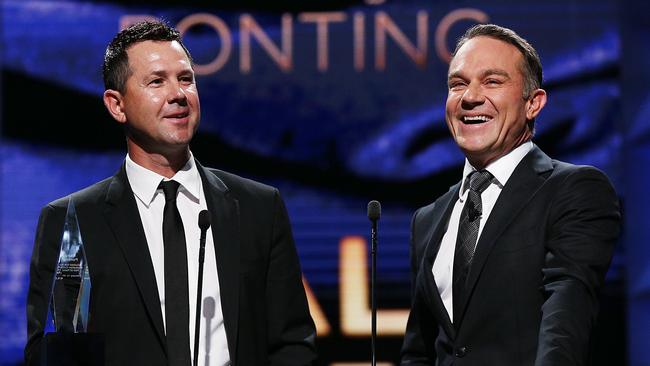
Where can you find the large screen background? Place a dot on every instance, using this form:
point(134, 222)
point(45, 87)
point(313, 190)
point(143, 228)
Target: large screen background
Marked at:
point(335, 103)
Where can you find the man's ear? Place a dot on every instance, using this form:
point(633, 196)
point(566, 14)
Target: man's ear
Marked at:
point(114, 102)
point(535, 103)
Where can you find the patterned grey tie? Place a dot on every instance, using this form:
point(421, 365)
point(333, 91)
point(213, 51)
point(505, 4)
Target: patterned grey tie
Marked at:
point(468, 227)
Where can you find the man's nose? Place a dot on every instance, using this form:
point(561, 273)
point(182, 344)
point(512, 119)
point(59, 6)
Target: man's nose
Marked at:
point(176, 94)
point(473, 96)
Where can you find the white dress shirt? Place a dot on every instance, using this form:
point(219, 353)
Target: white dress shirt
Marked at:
point(213, 346)
point(443, 266)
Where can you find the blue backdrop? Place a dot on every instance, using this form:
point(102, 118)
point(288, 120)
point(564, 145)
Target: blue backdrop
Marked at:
point(335, 103)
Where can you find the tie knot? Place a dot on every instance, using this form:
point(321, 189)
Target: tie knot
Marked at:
point(480, 180)
point(170, 188)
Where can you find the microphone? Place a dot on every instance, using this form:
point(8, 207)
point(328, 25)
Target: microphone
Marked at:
point(374, 212)
point(204, 224)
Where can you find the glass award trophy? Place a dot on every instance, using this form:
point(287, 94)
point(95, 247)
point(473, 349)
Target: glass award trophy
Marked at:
point(67, 341)
point(70, 297)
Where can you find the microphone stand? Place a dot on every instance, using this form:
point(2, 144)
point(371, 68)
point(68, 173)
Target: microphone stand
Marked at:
point(373, 296)
point(204, 224)
point(374, 212)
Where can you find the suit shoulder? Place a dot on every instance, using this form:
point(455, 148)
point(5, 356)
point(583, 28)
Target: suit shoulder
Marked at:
point(427, 210)
point(580, 182)
point(83, 196)
point(242, 186)
point(564, 170)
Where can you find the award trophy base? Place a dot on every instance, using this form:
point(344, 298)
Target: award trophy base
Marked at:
point(73, 349)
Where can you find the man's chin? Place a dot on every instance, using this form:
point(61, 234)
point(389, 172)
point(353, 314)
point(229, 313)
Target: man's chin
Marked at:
point(479, 155)
point(474, 146)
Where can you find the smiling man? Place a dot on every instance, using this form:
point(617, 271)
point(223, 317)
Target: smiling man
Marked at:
point(141, 234)
point(507, 265)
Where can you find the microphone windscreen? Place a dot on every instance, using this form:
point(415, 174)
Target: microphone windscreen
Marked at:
point(204, 220)
point(374, 210)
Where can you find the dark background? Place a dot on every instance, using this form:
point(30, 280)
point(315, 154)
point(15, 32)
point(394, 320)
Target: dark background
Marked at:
point(330, 139)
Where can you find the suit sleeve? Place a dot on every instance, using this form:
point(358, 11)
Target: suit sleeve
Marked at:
point(41, 275)
point(584, 224)
point(291, 330)
point(414, 349)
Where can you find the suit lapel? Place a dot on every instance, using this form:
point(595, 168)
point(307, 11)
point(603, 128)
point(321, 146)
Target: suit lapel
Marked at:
point(225, 234)
point(124, 220)
point(440, 217)
point(521, 188)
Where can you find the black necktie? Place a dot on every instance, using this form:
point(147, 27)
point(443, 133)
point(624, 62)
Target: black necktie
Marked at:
point(467, 236)
point(177, 314)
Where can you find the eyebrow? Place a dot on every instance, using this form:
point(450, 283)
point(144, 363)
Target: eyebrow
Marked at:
point(486, 73)
point(498, 72)
point(162, 73)
point(159, 73)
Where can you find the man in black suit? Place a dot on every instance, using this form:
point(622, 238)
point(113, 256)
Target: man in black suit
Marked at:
point(141, 237)
point(507, 265)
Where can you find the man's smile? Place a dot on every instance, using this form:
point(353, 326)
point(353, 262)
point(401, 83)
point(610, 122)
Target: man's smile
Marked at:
point(470, 120)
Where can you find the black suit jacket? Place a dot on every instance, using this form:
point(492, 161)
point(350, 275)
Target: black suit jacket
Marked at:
point(265, 310)
point(533, 283)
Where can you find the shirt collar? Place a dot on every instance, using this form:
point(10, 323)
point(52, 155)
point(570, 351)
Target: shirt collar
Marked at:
point(501, 168)
point(144, 182)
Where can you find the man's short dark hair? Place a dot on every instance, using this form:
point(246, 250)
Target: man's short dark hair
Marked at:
point(115, 69)
point(531, 67)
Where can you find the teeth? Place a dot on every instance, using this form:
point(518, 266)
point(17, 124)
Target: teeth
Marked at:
point(476, 118)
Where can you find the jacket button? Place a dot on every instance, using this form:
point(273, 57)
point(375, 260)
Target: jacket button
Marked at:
point(461, 352)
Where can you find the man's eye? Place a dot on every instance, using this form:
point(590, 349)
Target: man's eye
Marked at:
point(456, 85)
point(492, 81)
point(156, 81)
